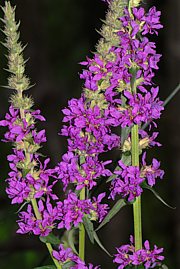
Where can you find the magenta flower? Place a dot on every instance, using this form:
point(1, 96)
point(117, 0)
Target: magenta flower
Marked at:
point(69, 171)
point(99, 208)
point(141, 108)
point(28, 223)
point(127, 183)
point(149, 140)
point(66, 255)
point(72, 210)
point(18, 128)
point(151, 172)
point(127, 256)
point(152, 23)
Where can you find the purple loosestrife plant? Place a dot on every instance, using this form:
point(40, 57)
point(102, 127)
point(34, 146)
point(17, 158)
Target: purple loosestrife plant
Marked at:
point(118, 93)
point(30, 180)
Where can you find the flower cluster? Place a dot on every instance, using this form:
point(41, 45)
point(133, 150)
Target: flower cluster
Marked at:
point(89, 135)
point(71, 171)
point(29, 223)
point(72, 210)
point(29, 178)
point(128, 182)
point(66, 256)
point(64, 214)
point(128, 256)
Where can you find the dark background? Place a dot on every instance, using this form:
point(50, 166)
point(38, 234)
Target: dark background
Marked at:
point(60, 33)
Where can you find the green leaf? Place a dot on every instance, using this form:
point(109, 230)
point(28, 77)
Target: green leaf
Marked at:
point(113, 176)
point(77, 192)
point(21, 207)
point(126, 159)
point(114, 210)
point(68, 239)
point(25, 172)
point(96, 238)
point(71, 240)
point(124, 134)
point(68, 265)
point(46, 267)
point(144, 185)
point(170, 97)
point(51, 238)
point(89, 228)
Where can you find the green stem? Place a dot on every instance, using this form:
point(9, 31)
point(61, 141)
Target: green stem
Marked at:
point(82, 232)
point(48, 245)
point(137, 203)
point(135, 162)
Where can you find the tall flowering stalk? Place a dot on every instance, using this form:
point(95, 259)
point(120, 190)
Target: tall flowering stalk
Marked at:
point(29, 178)
point(118, 83)
point(117, 93)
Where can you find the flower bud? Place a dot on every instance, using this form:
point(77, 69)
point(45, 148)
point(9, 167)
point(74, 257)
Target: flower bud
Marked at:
point(126, 146)
point(144, 143)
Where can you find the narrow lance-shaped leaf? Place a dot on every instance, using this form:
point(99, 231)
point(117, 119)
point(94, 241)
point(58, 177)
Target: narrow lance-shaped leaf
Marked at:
point(96, 238)
point(22, 206)
point(89, 228)
point(114, 210)
point(71, 240)
point(51, 238)
point(157, 195)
